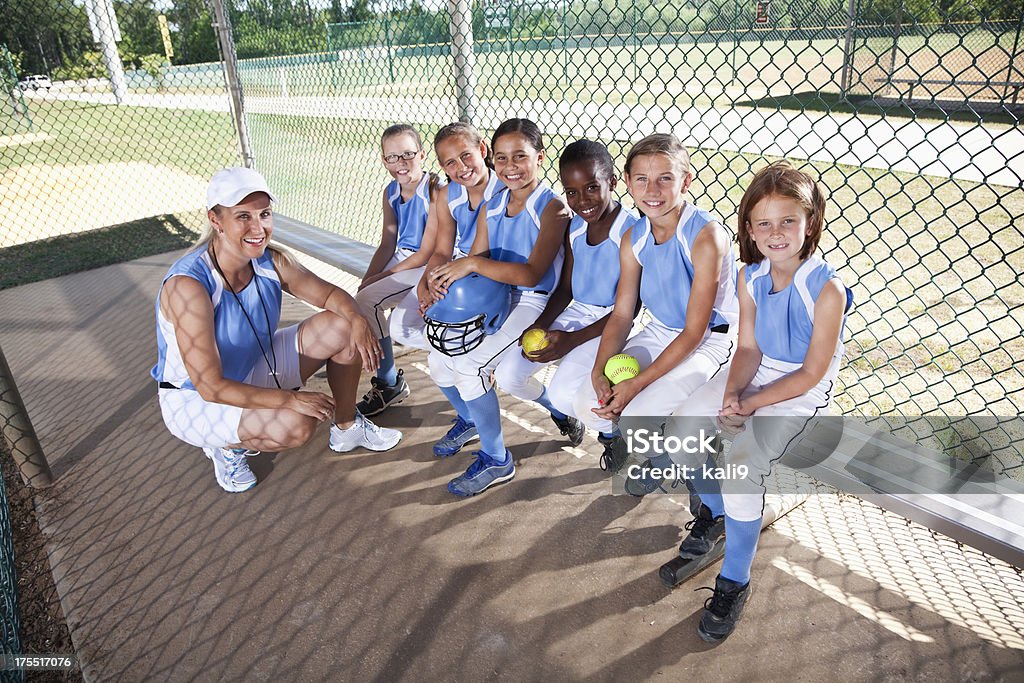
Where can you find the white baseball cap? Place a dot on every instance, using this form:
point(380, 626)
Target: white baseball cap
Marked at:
point(229, 186)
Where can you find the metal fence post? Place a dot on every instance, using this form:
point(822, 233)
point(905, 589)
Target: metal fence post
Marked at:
point(19, 433)
point(387, 45)
point(461, 23)
point(230, 61)
point(1012, 64)
point(847, 74)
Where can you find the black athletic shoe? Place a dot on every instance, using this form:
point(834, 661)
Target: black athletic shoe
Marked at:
point(722, 610)
point(644, 482)
point(381, 396)
point(705, 532)
point(615, 454)
point(572, 428)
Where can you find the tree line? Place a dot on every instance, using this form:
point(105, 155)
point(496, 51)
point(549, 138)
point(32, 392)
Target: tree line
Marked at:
point(53, 36)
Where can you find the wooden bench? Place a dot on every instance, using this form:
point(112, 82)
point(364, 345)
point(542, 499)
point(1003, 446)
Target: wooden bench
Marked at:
point(914, 82)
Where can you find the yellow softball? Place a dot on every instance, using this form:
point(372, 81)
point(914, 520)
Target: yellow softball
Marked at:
point(621, 367)
point(534, 340)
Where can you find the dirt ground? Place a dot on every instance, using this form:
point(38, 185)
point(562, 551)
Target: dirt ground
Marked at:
point(43, 627)
point(43, 201)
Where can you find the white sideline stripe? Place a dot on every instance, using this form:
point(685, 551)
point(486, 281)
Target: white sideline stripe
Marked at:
point(856, 604)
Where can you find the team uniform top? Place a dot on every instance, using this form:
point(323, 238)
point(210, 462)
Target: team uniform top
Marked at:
point(412, 214)
point(785, 319)
point(236, 344)
point(595, 267)
point(668, 272)
point(511, 238)
point(465, 215)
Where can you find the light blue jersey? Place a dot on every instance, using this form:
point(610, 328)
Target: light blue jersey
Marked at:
point(236, 342)
point(595, 267)
point(465, 215)
point(785, 319)
point(511, 238)
point(412, 214)
point(668, 272)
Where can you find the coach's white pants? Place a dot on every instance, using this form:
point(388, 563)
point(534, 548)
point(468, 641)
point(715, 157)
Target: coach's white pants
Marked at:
point(472, 373)
point(398, 292)
point(515, 373)
point(769, 433)
point(669, 392)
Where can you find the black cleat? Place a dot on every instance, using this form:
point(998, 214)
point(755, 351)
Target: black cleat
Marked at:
point(572, 428)
point(722, 610)
point(615, 454)
point(705, 532)
point(381, 396)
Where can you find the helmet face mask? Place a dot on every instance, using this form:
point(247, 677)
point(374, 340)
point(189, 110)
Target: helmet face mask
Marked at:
point(456, 339)
point(474, 307)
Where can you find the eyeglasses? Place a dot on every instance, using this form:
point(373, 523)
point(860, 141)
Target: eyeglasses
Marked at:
point(404, 156)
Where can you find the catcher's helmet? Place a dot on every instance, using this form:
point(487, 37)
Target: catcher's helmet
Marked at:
point(474, 307)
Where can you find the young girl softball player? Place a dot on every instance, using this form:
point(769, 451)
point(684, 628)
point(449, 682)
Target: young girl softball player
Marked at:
point(395, 269)
point(678, 260)
point(519, 242)
point(577, 311)
point(464, 157)
point(792, 312)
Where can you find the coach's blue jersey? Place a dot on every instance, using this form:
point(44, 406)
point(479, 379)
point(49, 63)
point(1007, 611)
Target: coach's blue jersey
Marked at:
point(465, 215)
point(785, 319)
point(595, 267)
point(668, 272)
point(412, 214)
point(236, 339)
point(511, 238)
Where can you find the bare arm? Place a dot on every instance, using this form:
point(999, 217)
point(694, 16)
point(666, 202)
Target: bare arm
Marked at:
point(553, 223)
point(709, 250)
point(747, 358)
point(828, 323)
point(307, 286)
point(620, 321)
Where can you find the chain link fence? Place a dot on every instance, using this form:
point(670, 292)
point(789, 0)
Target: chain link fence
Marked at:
point(924, 177)
point(909, 113)
point(105, 145)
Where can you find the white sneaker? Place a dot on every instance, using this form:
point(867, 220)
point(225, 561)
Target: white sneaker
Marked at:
point(363, 434)
point(231, 469)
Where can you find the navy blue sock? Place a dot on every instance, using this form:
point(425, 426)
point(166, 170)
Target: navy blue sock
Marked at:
point(453, 396)
point(387, 372)
point(486, 415)
point(709, 490)
point(546, 402)
point(740, 546)
point(608, 437)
